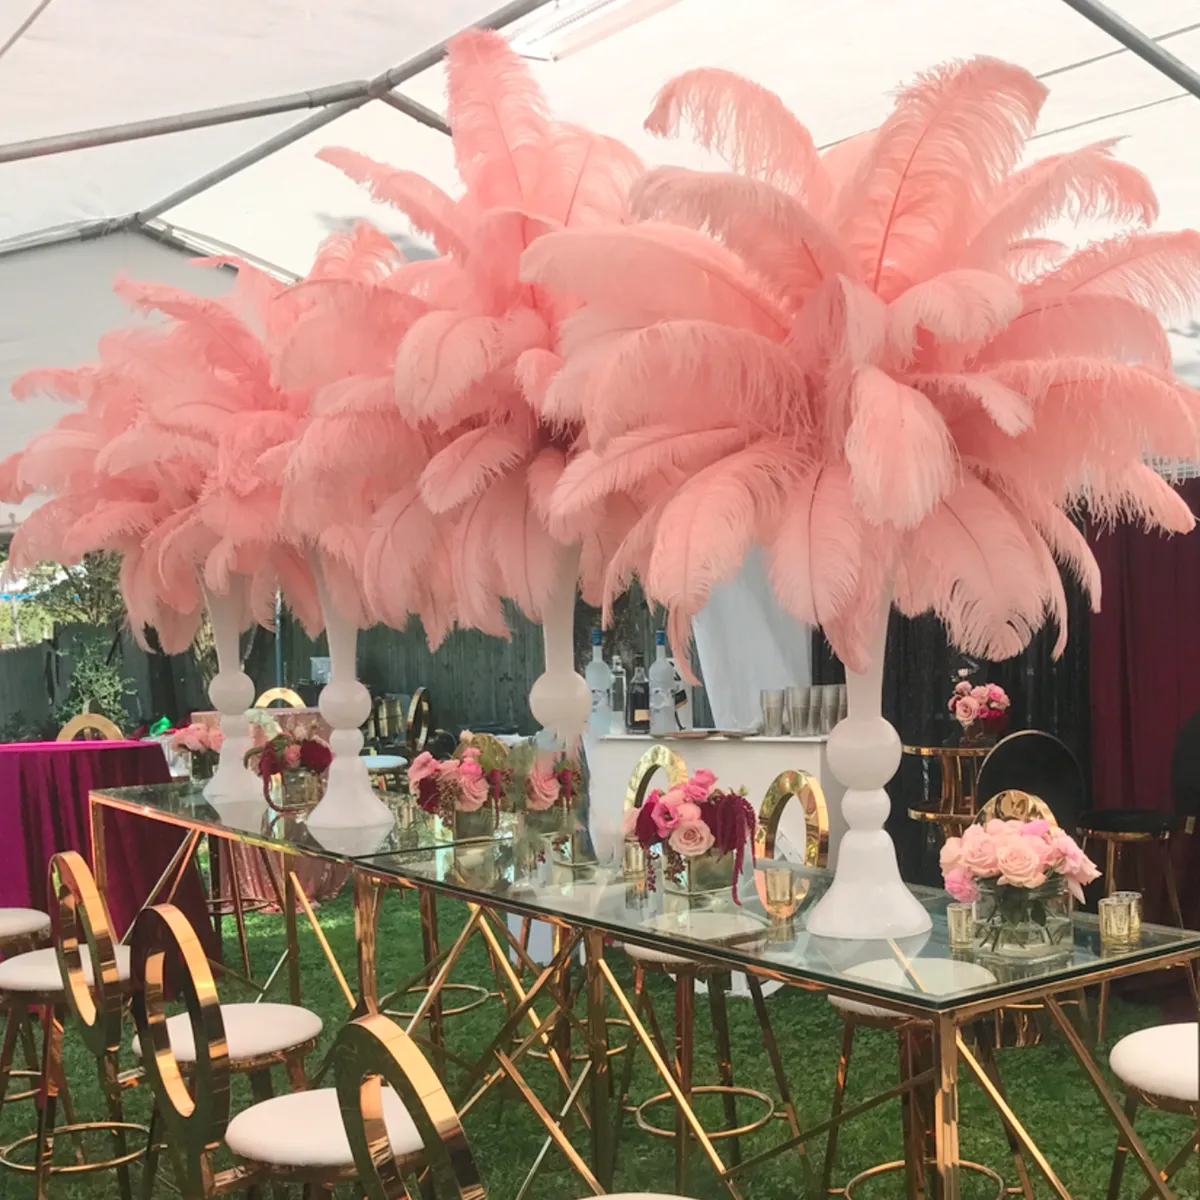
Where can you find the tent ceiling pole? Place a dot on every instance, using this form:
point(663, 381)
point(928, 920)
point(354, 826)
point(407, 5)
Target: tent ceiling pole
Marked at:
point(379, 86)
point(1143, 46)
point(416, 110)
point(181, 122)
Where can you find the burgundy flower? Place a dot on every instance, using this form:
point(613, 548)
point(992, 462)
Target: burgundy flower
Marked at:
point(646, 827)
point(315, 756)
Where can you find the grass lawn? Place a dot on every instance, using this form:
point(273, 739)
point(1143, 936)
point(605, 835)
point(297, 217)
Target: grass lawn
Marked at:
point(1045, 1085)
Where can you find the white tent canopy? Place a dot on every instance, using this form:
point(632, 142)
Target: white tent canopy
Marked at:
point(71, 69)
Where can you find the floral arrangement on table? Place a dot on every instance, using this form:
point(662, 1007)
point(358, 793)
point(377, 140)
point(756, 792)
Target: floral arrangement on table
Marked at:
point(203, 743)
point(449, 786)
point(694, 821)
point(298, 755)
point(1021, 876)
point(982, 708)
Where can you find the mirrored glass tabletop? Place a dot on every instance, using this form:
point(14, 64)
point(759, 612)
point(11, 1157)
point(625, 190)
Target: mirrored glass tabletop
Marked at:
point(533, 874)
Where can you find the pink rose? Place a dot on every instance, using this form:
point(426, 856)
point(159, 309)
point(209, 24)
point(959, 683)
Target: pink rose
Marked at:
point(216, 739)
point(962, 688)
point(951, 854)
point(980, 694)
point(688, 811)
point(291, 756)
point(542, 790)
point(1020, 862)
point(629, 822)
point(979, 853)
point(966, 709)
point(691, 838)
point(666, 818)
point(961, 886)
point(1038, 828)
point(699, 785)
point(471, 754)
point(472, 792)
point(997, 696)
point(423, 766)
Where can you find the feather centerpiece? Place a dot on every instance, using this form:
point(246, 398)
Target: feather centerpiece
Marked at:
point(935, 384)
point(469, 372)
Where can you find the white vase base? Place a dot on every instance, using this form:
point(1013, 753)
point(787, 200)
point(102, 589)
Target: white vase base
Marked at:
point(868, 912)
point(350, 802)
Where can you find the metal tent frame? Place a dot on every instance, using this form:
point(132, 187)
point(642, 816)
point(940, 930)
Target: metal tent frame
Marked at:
point(337, 100)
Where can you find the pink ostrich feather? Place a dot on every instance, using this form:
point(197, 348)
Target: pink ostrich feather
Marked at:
point(926, 385)
point(470, 371)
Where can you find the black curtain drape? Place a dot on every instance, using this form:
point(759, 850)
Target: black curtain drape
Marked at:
point(918, 678)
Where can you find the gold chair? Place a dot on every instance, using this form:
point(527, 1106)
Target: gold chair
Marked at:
point(296, 1138)
point(914, 1034)
point(279, 695)
point(90, 723)
point(372, 1052)
point(720, 928)
point(91, 983)
point(207, 1043)
point(419, 724)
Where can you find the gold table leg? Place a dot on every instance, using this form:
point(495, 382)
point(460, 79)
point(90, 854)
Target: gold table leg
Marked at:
point(945, 1109)
point(427, 902)
point(601, 1080)
point(367, 896)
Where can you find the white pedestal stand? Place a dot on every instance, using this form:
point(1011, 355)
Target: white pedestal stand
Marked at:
point(350, 803)
point(868, 899)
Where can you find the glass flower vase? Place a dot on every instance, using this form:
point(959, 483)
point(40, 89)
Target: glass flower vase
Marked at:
point(700, 875)
point(1026, 924)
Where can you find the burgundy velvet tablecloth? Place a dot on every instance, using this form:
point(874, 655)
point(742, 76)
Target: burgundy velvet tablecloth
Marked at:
point(44, 809)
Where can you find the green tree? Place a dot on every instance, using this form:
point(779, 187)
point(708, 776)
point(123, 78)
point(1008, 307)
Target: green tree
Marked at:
point(88, 593)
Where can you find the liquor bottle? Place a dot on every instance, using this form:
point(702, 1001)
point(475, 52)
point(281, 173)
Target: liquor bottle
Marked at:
point(682, 696)
point(616, 702)
point(637, 701)
point(662, 689)
point(599, 678)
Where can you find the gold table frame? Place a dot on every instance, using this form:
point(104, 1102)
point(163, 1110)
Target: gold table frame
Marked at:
point(947, 1021)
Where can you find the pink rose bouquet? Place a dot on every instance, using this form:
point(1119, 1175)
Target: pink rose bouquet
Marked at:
point(203, 743)
point(277, 751)
point(985, 705)
point(458, 784)
point(1020, 866)
point(692, 818)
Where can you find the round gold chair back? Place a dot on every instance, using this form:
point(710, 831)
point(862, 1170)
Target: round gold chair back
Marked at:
point(1015, 806)
point(87, 723)
point(279, 695)
point(81, 914)
point(657, 758)
point(195, 1118)
point(806, 791)
point(419, 725)
point(373, 1051)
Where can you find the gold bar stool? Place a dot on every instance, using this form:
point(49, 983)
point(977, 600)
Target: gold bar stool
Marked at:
point(21, 930)
point(719, 928)
point(912, 1034)
point(372, 1052)
point(296, 1138)
point(91, 983)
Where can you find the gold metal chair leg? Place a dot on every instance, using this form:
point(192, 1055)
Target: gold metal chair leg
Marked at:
point(1121, 1153)
point(110, 1081)
point(839, 1096)
point(988, 1061)
point(685, 1018)
point(239, 908)
point(724, 1047)
point(427, 903)
point(781, 1083)
point(48, 1101)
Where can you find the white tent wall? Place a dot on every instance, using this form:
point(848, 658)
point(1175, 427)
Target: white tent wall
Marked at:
point(56, 302)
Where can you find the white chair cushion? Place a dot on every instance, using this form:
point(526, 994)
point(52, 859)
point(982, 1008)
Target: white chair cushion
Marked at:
point(937, 976)
point(23, 922)
point(1160, 1060)
point(38, 971)
point(304, 1129)
point(718, 927)
point(251, 1030)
